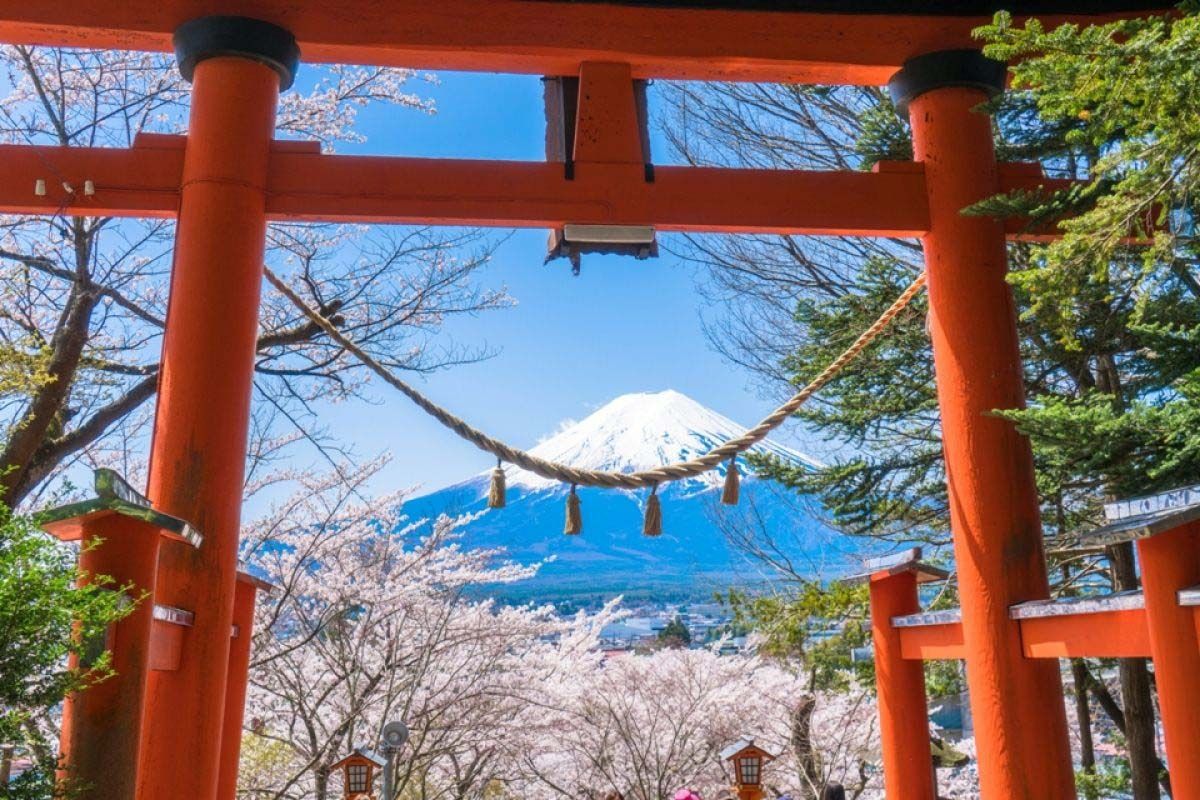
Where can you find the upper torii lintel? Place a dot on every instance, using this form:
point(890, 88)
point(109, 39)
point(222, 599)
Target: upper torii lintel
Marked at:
point(793, 41)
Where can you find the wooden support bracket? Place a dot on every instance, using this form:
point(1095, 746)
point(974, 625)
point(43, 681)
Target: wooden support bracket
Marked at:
point(611, 125)
point(598, 124)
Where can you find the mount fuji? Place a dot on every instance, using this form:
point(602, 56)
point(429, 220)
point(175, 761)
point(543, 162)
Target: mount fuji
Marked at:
point(692, 558)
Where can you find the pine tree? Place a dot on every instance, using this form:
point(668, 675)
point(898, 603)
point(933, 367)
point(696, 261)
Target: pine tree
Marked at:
point(675, 635)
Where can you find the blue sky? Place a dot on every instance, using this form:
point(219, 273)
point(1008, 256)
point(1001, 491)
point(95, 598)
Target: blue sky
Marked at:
point(570, 345)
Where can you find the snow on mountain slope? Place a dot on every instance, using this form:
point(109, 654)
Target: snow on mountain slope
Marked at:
point(639, 431)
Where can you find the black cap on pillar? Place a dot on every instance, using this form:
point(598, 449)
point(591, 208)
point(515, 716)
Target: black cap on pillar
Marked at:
point(943, 68)
point(206, 37)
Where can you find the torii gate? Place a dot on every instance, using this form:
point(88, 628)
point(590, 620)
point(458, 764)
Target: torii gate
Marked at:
point(176, 738)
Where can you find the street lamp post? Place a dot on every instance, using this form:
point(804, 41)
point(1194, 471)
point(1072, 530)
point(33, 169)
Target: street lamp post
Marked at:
point(395, 734)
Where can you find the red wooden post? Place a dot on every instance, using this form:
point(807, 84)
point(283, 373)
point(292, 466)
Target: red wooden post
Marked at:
point(102, 726)
point(900, 684)
point(199, 448)
point(989, 466)
point(245, 594)
point(1170, 562)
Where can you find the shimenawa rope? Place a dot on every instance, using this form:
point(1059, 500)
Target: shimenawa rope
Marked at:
point(623, 480)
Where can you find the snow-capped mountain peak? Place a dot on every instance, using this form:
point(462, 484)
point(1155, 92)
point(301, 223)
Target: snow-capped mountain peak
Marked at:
point(634, 432)
point(641, 431)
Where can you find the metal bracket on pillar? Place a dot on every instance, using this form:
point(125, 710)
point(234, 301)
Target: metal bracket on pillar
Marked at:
point(945, 68)
point(209, 37)
point(166, 637)
point(599, 117)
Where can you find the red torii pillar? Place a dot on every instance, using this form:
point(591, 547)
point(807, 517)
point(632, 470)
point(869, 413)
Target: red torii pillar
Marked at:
point(900, 682)
point(237, 680)
point(1017, 703)
point(198, 455)
point(119, 532)
point(1170, 563)
point(101, 726)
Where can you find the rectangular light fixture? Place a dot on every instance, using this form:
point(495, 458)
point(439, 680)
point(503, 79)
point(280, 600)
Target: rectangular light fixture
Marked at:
point(573, 240)
point(608, 234)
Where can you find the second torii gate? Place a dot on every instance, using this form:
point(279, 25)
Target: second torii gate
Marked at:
point(1161, 622)
point(228, 177)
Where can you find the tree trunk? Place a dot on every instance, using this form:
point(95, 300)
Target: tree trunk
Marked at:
point(1083, 712)
point(1135, 692)
point(1113, 711)
point(806, 753)
point(1080, 677)
point(321, 784)
point(46, 406)
point(1104, 697)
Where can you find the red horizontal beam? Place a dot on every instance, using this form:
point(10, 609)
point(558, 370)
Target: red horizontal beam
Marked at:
point(304, 185)
point(1109, 634)
point(537, 195)
point(137, 182)
point(933, 642)
point(541, 38)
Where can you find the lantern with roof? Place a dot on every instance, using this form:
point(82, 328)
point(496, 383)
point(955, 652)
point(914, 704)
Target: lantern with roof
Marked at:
point(358, 773)
point(748, 760)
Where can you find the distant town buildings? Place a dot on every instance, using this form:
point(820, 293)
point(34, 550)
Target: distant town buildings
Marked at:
point(708, 624)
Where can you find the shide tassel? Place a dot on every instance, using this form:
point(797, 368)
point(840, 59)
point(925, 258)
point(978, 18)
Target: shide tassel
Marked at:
point(652, 524)
point(729, 495)
point(574, 523)
point(496, 494)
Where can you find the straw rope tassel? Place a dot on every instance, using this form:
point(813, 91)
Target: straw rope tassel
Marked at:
point(652, 524)
point(732, 490)
point(496, 494)
point(574, 523)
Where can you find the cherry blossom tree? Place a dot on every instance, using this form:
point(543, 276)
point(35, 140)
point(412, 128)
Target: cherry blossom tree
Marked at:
point(83, 300)
point(376, 618)
point(645, 726)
